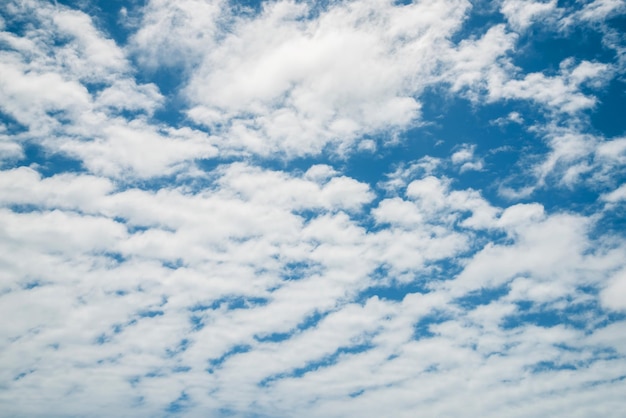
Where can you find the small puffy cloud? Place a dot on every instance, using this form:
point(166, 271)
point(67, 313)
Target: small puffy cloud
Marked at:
point(320, 172)
point(512, 117)
point(465, 158)
point(616, 195)
point(521, 214)
point(613, 296)
point(367, 145)
point(404, 173)
point(521, 13)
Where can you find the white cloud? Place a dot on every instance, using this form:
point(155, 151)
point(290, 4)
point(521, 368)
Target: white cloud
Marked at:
point(522, 13)
point(560, 93)
point(616, 195)
point(600, 9)
point(282, 83)
point(127, 95)
point(614, 295)
point(472, 63)
point(465, 158)
point(402, 175)
point(119, 148)
point(151, 276)
point(88, 55)
point(175, 34)
point(55, 100)
point(233, 240)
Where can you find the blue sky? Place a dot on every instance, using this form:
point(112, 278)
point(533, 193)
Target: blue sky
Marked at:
point(213, 208)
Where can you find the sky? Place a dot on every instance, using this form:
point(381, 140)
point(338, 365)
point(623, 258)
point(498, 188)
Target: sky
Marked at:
point(300, 208)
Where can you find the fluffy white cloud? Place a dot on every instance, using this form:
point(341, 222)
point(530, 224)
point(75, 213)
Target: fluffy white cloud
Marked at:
point(614, 295)
point(522, 13)
point(560, 93)
point(284, 83)
point(465, 158)
point(172, 271)
point(177, 34)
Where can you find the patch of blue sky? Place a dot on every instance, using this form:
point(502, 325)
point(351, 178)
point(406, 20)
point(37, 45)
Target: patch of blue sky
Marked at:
point(607, 318)
point(48, 162)
point(196, 322)
point(134, 381)
point(102, 339)
point(174, 264)
point(117, 257)
point(150, 313)
point(481, 296)
point(316, 365)
point(480, 16)
point(131, 227)
point(107, 15)
point(181, 369)
point(230, 303)
point(544, 48)
point(387, 286)
point(297, 270)
point(16, 23)
point(169, 81)
point(118, 328)
point(157, 372)
point(115, 359)
point(11, 125)
point(439, 271)
point(392, 291)
point(216, 363)
point(182, 346)
point(613, 222)
point(551, 366)
point(255, 6)
point(32, 284)
point(576, 315)
point(309, 322)
point(23, 374)
point(607, 118)
point(357, 393)
point(179, 405)
point(422, 328)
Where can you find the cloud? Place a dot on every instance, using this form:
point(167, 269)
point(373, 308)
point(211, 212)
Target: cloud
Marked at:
point(175, 34)
point(237, 211)
point(616, 195)
point(613, 295)
point(560, 93)
point(283, 83)
point(465, 158)
point(521, 14)
point(601, 9)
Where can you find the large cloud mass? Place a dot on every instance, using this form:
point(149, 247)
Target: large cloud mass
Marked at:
point(309, 208)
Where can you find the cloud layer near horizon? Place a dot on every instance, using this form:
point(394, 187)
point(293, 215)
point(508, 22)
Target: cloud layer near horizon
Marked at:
point(317, 209)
